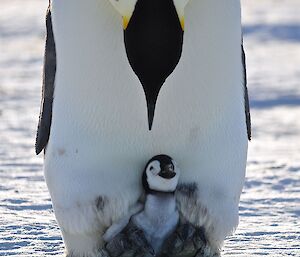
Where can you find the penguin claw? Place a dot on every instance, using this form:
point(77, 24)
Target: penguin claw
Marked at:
point(186, 241)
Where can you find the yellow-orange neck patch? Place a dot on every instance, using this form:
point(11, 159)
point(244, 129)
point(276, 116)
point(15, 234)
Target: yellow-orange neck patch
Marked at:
point(125, 22)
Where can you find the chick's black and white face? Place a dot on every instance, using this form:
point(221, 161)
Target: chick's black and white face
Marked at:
point(162, 174)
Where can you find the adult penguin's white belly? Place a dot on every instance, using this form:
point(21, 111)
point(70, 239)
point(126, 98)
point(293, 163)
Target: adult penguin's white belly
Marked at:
point(100, 141)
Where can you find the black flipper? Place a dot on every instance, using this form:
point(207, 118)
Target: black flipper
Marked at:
point(49, 71)
point(246, 97)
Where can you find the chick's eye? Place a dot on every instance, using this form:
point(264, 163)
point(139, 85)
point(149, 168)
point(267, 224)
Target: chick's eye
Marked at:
point(151, 168)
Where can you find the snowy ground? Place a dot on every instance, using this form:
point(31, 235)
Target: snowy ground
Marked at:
point(270, 204)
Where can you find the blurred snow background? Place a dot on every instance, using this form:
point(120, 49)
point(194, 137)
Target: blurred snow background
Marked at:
point(270, 203)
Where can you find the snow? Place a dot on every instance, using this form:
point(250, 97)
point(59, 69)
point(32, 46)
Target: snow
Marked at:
point(270, 203)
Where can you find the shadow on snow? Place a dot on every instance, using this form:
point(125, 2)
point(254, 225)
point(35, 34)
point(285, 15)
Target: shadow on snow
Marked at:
point(282, 32)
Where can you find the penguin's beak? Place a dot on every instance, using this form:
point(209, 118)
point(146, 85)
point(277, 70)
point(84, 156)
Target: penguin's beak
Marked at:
point(167, 172)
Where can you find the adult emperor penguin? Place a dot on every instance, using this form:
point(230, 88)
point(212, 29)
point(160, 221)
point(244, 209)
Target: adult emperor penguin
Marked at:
point(168, 79)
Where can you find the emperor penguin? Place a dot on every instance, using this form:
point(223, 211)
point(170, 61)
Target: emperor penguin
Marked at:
point(128, 79)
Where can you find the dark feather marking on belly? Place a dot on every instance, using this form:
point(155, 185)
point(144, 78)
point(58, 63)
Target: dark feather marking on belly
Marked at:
point(101, 202)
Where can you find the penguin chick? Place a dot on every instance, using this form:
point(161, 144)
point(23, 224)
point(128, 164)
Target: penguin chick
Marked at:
point(148, 228)
point(160, 216)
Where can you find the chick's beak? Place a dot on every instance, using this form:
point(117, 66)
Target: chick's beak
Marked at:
point(167, 172)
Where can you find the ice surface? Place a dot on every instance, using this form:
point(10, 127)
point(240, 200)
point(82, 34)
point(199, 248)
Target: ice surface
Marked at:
point(270, 203)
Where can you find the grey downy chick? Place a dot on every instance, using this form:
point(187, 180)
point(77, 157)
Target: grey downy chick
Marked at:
point(160, 216)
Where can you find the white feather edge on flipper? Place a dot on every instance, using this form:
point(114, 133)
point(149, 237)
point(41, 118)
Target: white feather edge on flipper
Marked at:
point(117, 227)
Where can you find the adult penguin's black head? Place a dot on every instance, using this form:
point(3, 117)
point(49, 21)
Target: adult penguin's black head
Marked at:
point(153, 37)
point(161, 174)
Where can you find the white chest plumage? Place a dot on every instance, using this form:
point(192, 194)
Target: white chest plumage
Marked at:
point(99, 139)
